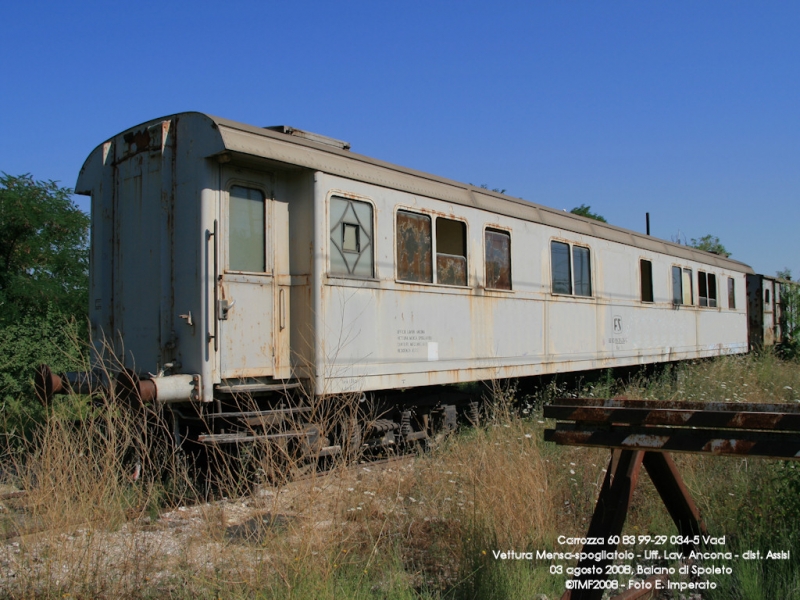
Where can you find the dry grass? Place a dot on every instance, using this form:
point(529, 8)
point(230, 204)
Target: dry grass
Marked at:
point(424, 526)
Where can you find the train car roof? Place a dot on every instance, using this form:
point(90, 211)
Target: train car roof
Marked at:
point(290, 148)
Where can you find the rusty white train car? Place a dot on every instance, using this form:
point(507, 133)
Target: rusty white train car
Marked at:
point(228, 259)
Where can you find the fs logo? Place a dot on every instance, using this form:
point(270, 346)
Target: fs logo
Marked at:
point(617, 324)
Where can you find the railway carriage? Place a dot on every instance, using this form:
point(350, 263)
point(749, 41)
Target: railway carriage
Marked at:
point(228, 259)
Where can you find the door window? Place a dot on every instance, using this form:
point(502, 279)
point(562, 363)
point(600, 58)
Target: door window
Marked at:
point(247, 230)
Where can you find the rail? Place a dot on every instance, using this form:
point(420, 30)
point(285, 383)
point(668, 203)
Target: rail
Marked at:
point(646, 432)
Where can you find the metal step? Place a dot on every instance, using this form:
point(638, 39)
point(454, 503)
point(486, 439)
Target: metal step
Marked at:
point(244, 388)
point(260, 413)
point(242, 438)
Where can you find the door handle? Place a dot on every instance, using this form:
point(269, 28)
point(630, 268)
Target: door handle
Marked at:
point(282, 302)
point(223, 306)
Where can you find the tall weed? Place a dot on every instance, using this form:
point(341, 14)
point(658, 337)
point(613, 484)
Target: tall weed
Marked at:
point(425, 527)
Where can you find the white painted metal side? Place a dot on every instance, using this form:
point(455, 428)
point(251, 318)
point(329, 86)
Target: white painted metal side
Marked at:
point(382, 333)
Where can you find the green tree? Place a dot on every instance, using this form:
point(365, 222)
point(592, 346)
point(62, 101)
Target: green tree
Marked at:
point(790, 312)
point(584, 210)
point(44, 255)
point(44, 282)
point(710, 243)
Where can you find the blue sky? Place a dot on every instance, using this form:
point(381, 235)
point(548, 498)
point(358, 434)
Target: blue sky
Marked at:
point(687, 110)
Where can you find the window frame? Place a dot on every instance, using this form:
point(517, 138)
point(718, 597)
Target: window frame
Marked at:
point(713, 300)
point(433, 218)
point(574, 272)
point(501, 231)
point(436, 252)
point(266, 220)
point(642, 281)
point(571, 246)
point(350, 197)
point(731, 293)
point(704, 289)
point(683, 278)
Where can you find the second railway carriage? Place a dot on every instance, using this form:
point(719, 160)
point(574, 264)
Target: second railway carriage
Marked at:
point(229, 259)
point(765, 310)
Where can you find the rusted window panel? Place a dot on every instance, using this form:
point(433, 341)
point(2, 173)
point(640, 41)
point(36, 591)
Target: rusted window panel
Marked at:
point(451, 252)
point(562, 272)
point(451, 270)
point(731, 293)
point(414, 247)
point(246, 230)
point(351, 238)
point(498, 259)
point(646, 279)
point(581, 263)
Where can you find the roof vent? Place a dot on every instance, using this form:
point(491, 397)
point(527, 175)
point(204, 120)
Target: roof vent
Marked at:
point(311, 137)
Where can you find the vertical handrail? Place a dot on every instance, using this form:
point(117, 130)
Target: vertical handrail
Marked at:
point(210, 234)
point(282, 308)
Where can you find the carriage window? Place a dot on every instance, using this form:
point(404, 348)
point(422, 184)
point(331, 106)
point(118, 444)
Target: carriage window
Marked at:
point(681, 286)
point(712, 290)
point(246, 237)
point(414, 247)
point(677, 293)
point(687, 286)
point(646, 280)
point(583, 271)
point(498, 259)
point(731, 293)
point(707, 289)
point(562, 273)
point(351, 238)
point(766, 296)
point(702, 296)
point(563, 269)
point(451, 252)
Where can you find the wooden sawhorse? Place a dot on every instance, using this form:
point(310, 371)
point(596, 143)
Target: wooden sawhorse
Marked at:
point(645, 432)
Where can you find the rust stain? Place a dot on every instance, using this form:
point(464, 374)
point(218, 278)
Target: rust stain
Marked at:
point(713, 417)
point(729, 446)
point(137, 141)
point(47, 384)
point(722, 429)
point(732, 407)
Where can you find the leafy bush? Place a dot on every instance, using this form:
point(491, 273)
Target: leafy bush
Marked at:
point(34, 339)
point(44, 282)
